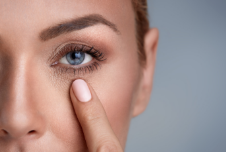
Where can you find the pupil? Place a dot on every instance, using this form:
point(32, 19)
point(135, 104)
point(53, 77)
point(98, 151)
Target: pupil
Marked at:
point(75, 58)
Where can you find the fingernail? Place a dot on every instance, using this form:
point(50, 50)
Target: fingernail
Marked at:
point(81, 90)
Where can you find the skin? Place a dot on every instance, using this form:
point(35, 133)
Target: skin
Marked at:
point(38, 111)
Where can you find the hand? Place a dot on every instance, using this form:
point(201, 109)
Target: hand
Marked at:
point(92, 117)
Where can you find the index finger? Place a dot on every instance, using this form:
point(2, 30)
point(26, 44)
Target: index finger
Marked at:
point(92, 117)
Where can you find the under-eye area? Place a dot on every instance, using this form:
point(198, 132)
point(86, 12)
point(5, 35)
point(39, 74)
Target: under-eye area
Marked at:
point(76, 59)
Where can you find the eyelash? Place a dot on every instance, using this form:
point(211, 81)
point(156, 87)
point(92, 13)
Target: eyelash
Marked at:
point(96, 54)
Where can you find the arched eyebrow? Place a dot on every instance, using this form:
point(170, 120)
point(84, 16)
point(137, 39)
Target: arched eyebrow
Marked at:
point(76, 24)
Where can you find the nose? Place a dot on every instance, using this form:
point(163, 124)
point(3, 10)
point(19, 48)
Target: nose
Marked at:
point(18, 122)
point(20, 116)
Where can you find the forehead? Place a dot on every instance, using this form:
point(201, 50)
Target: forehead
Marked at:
point(34, 15)
point(50, 6)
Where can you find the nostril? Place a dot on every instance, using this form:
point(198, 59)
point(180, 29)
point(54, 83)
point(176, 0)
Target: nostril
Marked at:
point(32, 132)
point(4, 131)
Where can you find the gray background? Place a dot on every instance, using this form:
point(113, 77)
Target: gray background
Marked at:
point(187, 109)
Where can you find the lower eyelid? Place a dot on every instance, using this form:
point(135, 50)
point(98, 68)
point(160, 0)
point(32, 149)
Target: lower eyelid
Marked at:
point(62, 69)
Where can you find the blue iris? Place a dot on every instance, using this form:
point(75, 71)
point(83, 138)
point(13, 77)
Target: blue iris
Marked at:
point(75, 58)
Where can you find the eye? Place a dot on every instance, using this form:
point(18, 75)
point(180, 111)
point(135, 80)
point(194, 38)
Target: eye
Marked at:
point(76, 58)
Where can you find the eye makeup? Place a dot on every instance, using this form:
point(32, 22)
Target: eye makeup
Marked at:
point(97, 56)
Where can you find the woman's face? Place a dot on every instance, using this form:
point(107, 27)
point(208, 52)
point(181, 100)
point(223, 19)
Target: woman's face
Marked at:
point(37, 67)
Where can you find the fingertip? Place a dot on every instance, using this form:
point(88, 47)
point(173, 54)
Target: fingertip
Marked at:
point(81, 90)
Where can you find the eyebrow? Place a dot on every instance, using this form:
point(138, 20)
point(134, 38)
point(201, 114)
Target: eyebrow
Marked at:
point(76, 24)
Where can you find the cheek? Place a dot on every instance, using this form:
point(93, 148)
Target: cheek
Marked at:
point(62, 127)
point(116, 86)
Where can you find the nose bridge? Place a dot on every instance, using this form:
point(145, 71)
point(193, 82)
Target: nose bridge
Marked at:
point(18, 113)
point(19, 84)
